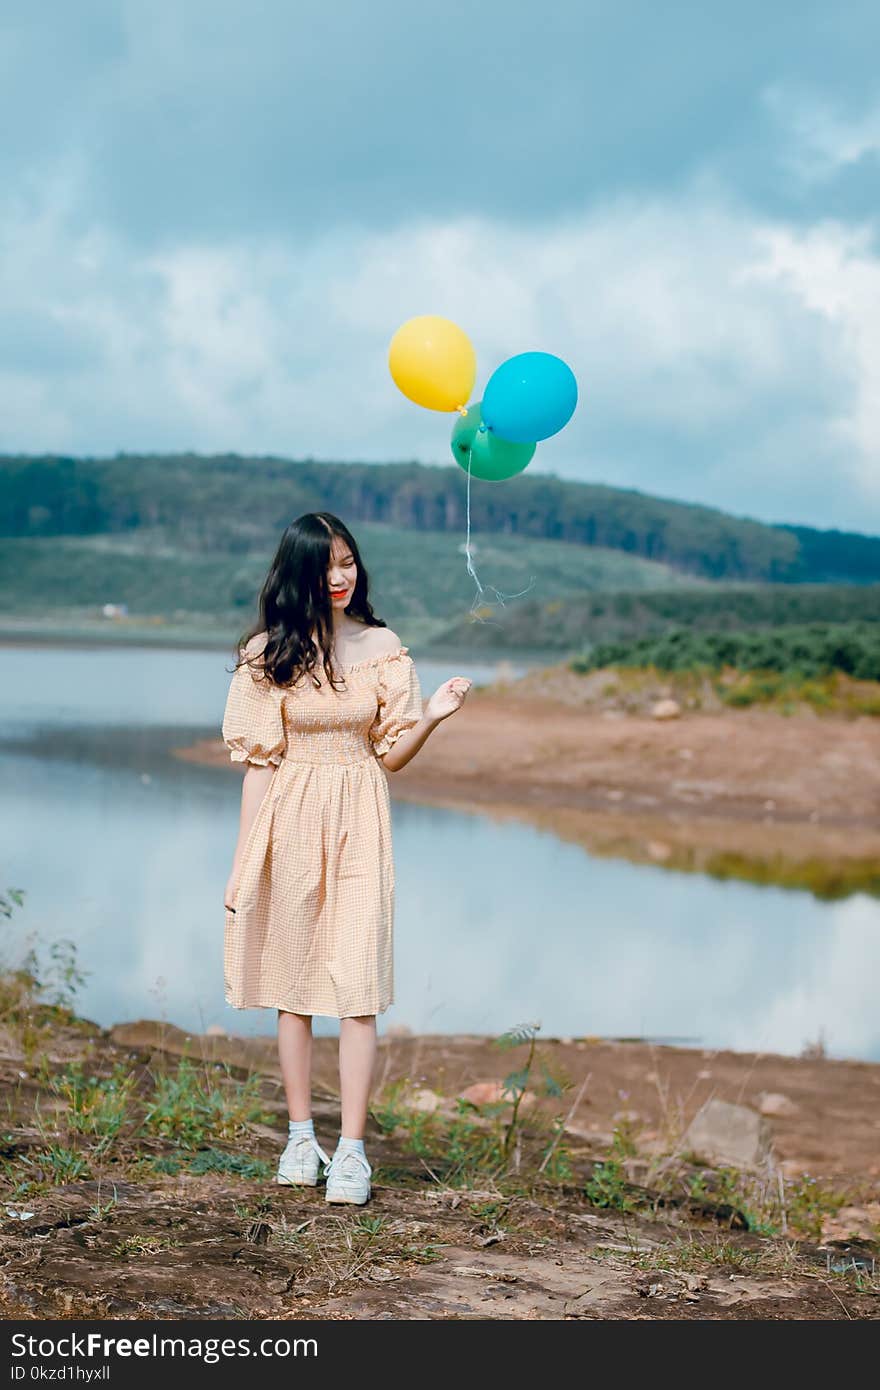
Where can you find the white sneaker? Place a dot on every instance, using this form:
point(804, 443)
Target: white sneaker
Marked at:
point(348, 1177)
point(298, 1165)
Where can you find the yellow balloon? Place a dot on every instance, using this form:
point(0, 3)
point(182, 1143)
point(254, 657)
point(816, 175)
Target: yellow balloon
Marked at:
point(433, 363)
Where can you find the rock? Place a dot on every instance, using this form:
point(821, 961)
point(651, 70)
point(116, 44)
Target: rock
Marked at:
point(666, 709)
point(398, 1030)
point(490, 1093)
point(726, 1135)
point(775, 1103)
point(216, 1030)
point(853, 1223)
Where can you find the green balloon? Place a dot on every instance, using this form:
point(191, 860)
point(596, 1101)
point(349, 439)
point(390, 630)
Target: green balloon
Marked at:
point(491, 458)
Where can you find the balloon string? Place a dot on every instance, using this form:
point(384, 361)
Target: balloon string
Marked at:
point(480, 617)
point(467, 545)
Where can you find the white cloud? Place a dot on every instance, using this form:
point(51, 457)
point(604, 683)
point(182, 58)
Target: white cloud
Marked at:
point(821, 141)
point(832, 992)
point(835, 272)
point(720, 357)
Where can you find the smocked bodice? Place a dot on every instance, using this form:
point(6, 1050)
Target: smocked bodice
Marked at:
point(264, 723)
point(327, 726)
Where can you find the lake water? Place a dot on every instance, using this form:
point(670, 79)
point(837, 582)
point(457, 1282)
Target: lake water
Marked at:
point(125, 849)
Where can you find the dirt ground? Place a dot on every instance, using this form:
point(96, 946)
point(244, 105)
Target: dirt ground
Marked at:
point(744, 792)
point(123, 1239)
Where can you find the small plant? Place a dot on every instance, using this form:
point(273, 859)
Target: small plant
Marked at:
point(99, 1210)
point(57, 1164)
point(251, 1211)
point(54, 970)
point(693, 1254)
point(608, 1187)
point(556, 1162)
point(145, 1245)
point(216, 1161)
point(97, 1106)
point(624, 1139)
point(370, 1225)
point(45, 979)
point(166, 1163)
point(516, 1083)
point(391, 1111)
point(809, 1202)
point(489, 1214)
point(189, 1108)
point(750, 1199)
point(720, 1185)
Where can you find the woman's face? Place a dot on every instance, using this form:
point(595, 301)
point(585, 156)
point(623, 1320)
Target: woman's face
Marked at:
point(342, 574)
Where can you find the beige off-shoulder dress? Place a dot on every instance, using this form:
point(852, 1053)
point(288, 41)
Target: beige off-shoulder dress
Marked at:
point(312, 929)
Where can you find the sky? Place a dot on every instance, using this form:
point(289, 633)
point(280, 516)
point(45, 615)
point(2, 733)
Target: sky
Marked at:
point(215, 215)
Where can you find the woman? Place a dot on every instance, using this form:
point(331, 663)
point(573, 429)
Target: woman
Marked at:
point(322, 693)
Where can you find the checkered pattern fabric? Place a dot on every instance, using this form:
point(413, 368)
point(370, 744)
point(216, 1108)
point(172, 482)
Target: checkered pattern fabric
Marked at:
point(312, 930)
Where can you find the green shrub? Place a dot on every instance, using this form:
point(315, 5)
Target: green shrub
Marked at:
point(798, 652)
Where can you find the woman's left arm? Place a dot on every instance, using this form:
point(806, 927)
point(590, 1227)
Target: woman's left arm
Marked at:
point(446, 699)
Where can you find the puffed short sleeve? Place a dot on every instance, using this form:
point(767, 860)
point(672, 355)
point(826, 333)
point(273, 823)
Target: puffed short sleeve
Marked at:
point(253, 726)
point(400, 701)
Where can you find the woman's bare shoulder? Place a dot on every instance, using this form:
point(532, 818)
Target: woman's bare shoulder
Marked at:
point(384, 640)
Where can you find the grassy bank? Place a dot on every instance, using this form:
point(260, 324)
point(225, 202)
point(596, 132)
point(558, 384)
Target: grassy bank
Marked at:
point(824, 667)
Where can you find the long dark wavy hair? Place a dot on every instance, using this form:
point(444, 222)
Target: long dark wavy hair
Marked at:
point(295, 604)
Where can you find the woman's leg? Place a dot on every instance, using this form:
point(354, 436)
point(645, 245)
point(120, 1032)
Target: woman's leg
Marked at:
point(295, 1056)
point(357, 1056)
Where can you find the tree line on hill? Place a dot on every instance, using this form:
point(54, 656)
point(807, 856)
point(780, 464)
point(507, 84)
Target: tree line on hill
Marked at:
point(234, 504)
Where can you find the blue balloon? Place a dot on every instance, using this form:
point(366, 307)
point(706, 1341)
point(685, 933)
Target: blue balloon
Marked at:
point(530, 397)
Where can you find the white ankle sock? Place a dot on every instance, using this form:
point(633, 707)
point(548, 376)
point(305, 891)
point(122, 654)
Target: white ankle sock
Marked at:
point(296, 1129)
point(356, 1144)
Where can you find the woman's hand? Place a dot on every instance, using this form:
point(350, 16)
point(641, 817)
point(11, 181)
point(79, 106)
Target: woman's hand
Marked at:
point(447, 698)
point(230, 892)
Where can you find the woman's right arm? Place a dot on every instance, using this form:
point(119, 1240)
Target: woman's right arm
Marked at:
point(255, 784)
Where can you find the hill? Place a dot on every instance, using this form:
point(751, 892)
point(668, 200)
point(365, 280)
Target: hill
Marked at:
point(234, 504)
point(418, 580)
